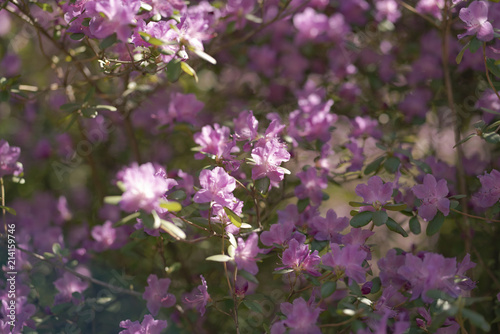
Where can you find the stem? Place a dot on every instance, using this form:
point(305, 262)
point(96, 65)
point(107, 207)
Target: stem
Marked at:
point(86, 278)
point(488, 71)
point(413, 10)
point(445, 32)
point(476, 217)
point(3, 204)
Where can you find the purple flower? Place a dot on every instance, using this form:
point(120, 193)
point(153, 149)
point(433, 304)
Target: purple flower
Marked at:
point(156, 294)
point(277, 234)
point(67, 285)
point(245, 126)
point(348, 260)
point(415, 103)
point(431, 271)
point(301, 318)
point(246, 252)
point(311, 186)
point(8, 160)
point(107, 237)
point(387, 10)
point(328, 228)
point(217, 186)
point(199, 297)
point(110, 16)
point(149, 326)
point(299, 258)
point(375, 192)
point(432, 7)
point(489, 194)
point(432, 194)
point(268, 158)
point(214, 141)
point(311, 25)
point(144, 187)
point(476, 20)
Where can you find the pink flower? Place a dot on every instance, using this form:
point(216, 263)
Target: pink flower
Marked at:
point(298, 257)
point(476, 19)
point(348, 260)
point(432, 194)
point(144, 186)
point(156, 294)
point(375, 191)
point(489, 194)
point(149, 325)
point(268, 159)
point(246, 252)
point(199, 297)
point(301, 318)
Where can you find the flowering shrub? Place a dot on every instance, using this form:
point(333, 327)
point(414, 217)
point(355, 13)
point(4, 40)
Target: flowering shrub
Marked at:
point(250, 166)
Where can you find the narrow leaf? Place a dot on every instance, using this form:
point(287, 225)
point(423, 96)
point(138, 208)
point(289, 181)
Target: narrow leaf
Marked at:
point(235, 219)
point(379, 218)
point(361, 219)
point(218, 258)
point(415, 225)
point(395, 227)
point(172, 229)
point(435, 224)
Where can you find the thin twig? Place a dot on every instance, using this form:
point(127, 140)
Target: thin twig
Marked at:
point(77, 274)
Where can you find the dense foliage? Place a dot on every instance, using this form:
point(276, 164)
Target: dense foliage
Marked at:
point(278, 166)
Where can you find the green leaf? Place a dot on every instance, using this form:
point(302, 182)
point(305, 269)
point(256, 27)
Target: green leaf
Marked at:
point(435, 224)
point(235, 219)
point(45, 7)
point(415, 225)
point(490, 63)
point(9, 210)
point(395, 207)
point(492, 137)
point(56, 248)
point(77, 36)
point(282, 271)
point(465, 139)
point(395, 227)
point(219, 258)
point(4, 94)
point(114, 200)
point(492, 126)
point(475, 44)
point(106, 107)
point(262, 185)
point(173, 70)
point(179, 195)
point(391, 164)
point(302, 204)
point(490, 111)
point(205, 56)
point(127, 219)
point(376, 285)
point(373, 166)
point(476, 319)
point(328, 288)
point(108, 41)
point(361, 219)
point(89, 94)
point(172, 229)
point(379, 218)
point(171, 206)
point(423, 166)
point(461, 53)
point(70, 107)
point(253, 306)
point(249, 277)
point(453, 204)
point(189, 70)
